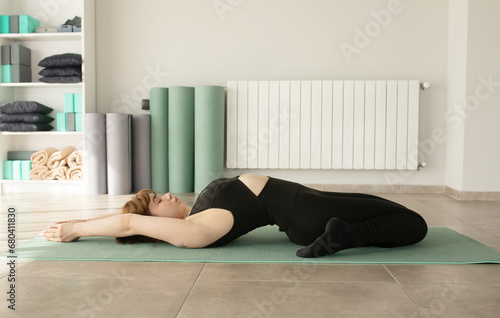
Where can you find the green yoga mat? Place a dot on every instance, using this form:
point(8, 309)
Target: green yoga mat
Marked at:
point(180, 139)
point(209, 135)
point(265, 245)
point(158, 107)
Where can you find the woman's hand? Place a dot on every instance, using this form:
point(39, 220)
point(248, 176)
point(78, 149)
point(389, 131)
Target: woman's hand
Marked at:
point(60, 232)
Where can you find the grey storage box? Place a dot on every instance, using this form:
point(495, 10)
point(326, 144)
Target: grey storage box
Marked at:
point(70, 122)
point(14, 24)
point(20, 55)
point(46, 29)
point(21, 73)
point(65, 28)
point(6, 55)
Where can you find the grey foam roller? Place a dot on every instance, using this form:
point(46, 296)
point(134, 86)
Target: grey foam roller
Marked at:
point(94, 152)
point(141, 152)
point(119, 153)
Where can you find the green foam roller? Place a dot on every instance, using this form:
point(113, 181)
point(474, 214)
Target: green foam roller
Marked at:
point(158, 99)
point(181, 139)
point(209, 135)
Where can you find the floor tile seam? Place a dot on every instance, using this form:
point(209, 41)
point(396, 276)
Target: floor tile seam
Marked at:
point(90, 276)
point(444, 283)
point(191, 290)
point(299, 281)
point(422, 312)
point(17, 267)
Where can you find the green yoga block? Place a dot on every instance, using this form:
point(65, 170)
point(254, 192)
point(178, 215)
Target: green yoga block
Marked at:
point(78, 122)
point(28, 24)
point(25, 169)
point(78, 99)
point(7, 170)
point(16, 169)
point(61, 121)
point(6, 73)
point(69, 103)
point(4, 24)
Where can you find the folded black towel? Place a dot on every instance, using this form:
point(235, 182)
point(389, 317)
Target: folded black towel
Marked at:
point(61, 71)
point(23, 107)
point(61, 60)
point(25, 127)
point(61, 79)
point(25, 118)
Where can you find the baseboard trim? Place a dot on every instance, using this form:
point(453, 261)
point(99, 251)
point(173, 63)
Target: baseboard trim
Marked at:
point(472, 195)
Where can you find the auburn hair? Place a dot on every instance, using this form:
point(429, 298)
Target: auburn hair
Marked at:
point(139, 204)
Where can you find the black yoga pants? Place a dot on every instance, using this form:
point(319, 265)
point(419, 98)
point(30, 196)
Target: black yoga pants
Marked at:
point(378, 222)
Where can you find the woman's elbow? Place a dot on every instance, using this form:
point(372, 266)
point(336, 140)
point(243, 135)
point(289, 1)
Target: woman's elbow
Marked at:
point(126, 223)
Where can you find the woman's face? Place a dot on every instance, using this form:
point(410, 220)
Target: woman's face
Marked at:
point(168, 206)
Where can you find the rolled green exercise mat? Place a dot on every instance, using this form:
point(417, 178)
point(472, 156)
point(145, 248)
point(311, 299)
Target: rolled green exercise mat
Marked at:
point(181, 139)
point(158, 103)
point(209, 135)
point(119, 153)
point(141, 152)
point(94, 152)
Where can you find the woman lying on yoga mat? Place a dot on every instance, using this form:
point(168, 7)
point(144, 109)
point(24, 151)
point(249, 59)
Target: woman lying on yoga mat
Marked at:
point(324, 222)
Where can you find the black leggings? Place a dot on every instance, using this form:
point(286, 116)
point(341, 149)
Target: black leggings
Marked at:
point(378, 221)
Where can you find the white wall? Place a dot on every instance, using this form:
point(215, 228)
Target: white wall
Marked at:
point(457, 79)
point(148, 43)
point(482, 129)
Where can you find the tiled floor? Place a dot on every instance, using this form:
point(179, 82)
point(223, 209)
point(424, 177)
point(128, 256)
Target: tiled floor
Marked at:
point(133, 289)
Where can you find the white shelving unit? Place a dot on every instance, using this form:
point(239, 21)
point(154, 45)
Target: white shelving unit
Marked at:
point(52, 95)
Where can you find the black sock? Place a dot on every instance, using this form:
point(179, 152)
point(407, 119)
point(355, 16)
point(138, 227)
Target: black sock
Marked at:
point(339, 235)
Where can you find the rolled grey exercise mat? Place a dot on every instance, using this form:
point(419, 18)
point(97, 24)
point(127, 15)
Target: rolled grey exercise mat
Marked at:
point(141, 152)
point(209, 135)
point(158, 107)
point(181, 139)
point(119, 153)
point(94, 152)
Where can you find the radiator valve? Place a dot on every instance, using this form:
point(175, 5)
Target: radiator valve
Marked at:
point(421, 165)
point(425, 85)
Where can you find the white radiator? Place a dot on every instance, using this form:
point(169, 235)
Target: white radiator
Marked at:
point(323, 124)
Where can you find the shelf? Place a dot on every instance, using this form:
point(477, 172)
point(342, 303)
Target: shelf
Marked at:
point(42, 133)
point(41, 85)
point(21, 37)
point(50, 94)
point(57, 182)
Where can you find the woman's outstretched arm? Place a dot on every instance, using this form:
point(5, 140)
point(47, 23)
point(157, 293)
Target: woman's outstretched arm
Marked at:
point(199, 230)
point(92, 219)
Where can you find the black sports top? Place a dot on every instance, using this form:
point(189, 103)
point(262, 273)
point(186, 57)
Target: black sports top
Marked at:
point(272, 206)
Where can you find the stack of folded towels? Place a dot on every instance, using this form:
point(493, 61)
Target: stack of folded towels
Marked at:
point(25, 116)
point(51, 164)
point(61, 68)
